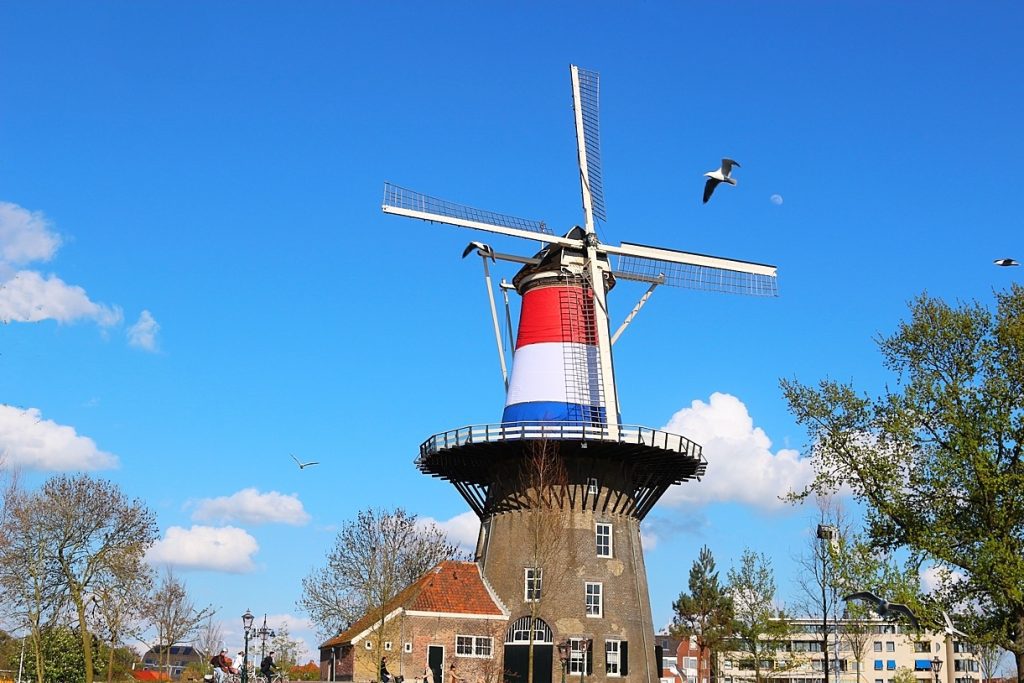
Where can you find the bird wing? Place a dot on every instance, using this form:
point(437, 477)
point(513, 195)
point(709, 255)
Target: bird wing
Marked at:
point(864, 595)
point(296, 460)
point(312, 462)
point(709, 187)
point(727, 165)
point(904, 610)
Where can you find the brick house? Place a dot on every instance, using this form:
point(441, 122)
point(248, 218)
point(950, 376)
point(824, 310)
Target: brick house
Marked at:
point(449, 616)
point(681, 661)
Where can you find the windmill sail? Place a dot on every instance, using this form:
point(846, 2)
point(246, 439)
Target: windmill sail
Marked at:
point(586, 87)
point(405, 202)
point(693, 271)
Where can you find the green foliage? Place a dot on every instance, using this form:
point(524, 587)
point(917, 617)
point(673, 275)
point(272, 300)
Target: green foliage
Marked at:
point(937, 459)
point(63, 661)
point(706, 612)
point(759, 628)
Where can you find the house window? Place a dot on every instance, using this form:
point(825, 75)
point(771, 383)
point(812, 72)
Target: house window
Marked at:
point(890, 665)
point(612, 651)
point(473, 646)
point(890, 646)
point(387, 646)
point(579, 656)
point(592, 486)
point(369, 645)
point(534, 579)
point(922, 646)
point(604, 539)
point(728, 664)
point(878, 665)
point(408, 647)
point(689, 662)
point(877, 645)
point(593, 593)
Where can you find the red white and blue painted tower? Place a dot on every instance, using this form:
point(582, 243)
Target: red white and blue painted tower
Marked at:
point(586, 592)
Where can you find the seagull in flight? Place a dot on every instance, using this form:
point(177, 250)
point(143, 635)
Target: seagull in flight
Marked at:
point(303, 465)
point(722, 175)
point(951, 630)
point(484, 250)
point(884, 608)
point(1004, 262)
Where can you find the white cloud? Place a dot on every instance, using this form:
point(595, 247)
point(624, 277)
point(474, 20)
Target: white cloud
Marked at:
point(143, 333)
point(29, 441)
point(249, 506)
point(25, 295)
point(462, 529)
point(28, 297)
point(25, 236)
point(224, 549)
point(933, 576)
point(741, 466)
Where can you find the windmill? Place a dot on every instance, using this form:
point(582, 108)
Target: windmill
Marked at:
point(562, 392)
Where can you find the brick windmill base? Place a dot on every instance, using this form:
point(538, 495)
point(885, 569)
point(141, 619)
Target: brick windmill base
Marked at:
point(560, 509)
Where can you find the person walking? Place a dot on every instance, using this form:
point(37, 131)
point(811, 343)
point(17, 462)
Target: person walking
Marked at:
point(385, 675)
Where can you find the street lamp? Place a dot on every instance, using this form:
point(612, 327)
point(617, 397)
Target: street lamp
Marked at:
point(936, 667)
point(264, 633)
point(247, 625)
point(563, 656)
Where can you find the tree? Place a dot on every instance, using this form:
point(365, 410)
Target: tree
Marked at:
point(174, 615)
point(759, 629)
point(118, 608)
point(706, 612)
point(94, 536)
point(937, 459)
point(284, 647)
point(208, 639)
point(818, 588)
point(374, 557)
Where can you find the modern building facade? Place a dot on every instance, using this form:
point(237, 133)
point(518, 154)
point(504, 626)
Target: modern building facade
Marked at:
point(859, 651)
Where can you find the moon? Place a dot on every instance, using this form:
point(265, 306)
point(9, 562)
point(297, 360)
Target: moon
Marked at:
point(776, 199)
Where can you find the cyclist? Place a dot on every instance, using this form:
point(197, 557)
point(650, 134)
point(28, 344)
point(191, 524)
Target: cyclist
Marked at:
point(221, 665)
point(267, 666)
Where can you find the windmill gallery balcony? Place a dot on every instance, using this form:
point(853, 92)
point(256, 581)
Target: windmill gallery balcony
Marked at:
point(469, 457)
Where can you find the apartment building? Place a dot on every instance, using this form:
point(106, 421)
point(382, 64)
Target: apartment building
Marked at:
point(857, 652)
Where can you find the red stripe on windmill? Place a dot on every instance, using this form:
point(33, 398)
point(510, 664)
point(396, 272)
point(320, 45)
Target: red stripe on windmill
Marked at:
point(562, 370)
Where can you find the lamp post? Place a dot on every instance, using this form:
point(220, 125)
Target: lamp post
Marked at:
point(264, 632)
point(247, 626)
point(936, 667)
point(563, 656)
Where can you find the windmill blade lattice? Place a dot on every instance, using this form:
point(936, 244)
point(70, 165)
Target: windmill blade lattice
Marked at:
point(695, 276)
point(590, 92)
point(406, 200)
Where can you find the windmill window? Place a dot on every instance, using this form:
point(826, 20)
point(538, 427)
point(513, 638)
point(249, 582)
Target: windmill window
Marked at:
point(592, 486)
point(534, 579)
point(593, 597)
point(604, 539)
point(581, 656)
point(613, 657)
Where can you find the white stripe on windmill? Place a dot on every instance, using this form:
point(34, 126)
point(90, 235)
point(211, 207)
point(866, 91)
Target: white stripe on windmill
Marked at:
point(562, 370)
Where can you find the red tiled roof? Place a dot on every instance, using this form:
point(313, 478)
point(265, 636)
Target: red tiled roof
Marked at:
point(451, 587)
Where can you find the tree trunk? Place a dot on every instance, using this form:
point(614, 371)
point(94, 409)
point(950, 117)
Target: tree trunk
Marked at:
point(86, 641)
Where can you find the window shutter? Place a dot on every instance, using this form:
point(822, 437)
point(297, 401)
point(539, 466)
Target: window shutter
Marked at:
point(590, 657)
point(624, 659)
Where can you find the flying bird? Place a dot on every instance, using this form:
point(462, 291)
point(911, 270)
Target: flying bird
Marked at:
point(951, 630)
point(722, 175)
point(484, 250)
point(884, 608)
point(1006, 262)
point(303, 465)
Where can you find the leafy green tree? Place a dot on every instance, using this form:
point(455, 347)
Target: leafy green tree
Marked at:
point(706, 612)
point(62, 658)
point(760, 630)
point(936, 459)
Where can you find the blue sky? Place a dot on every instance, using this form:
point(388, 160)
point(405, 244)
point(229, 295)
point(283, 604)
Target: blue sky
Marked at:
point(198, 279)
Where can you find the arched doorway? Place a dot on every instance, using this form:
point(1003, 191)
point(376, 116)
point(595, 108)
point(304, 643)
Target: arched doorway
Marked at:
point(517, 651)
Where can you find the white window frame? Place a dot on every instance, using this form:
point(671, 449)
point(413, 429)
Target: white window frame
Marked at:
point(407, 647)
point(387, 646)
point(592, 487)
point(475, 646)
point(533, 583)
point(613, 658)
point(577, 656)
point(369, 645)
point(593, 592)
point(606, 527)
